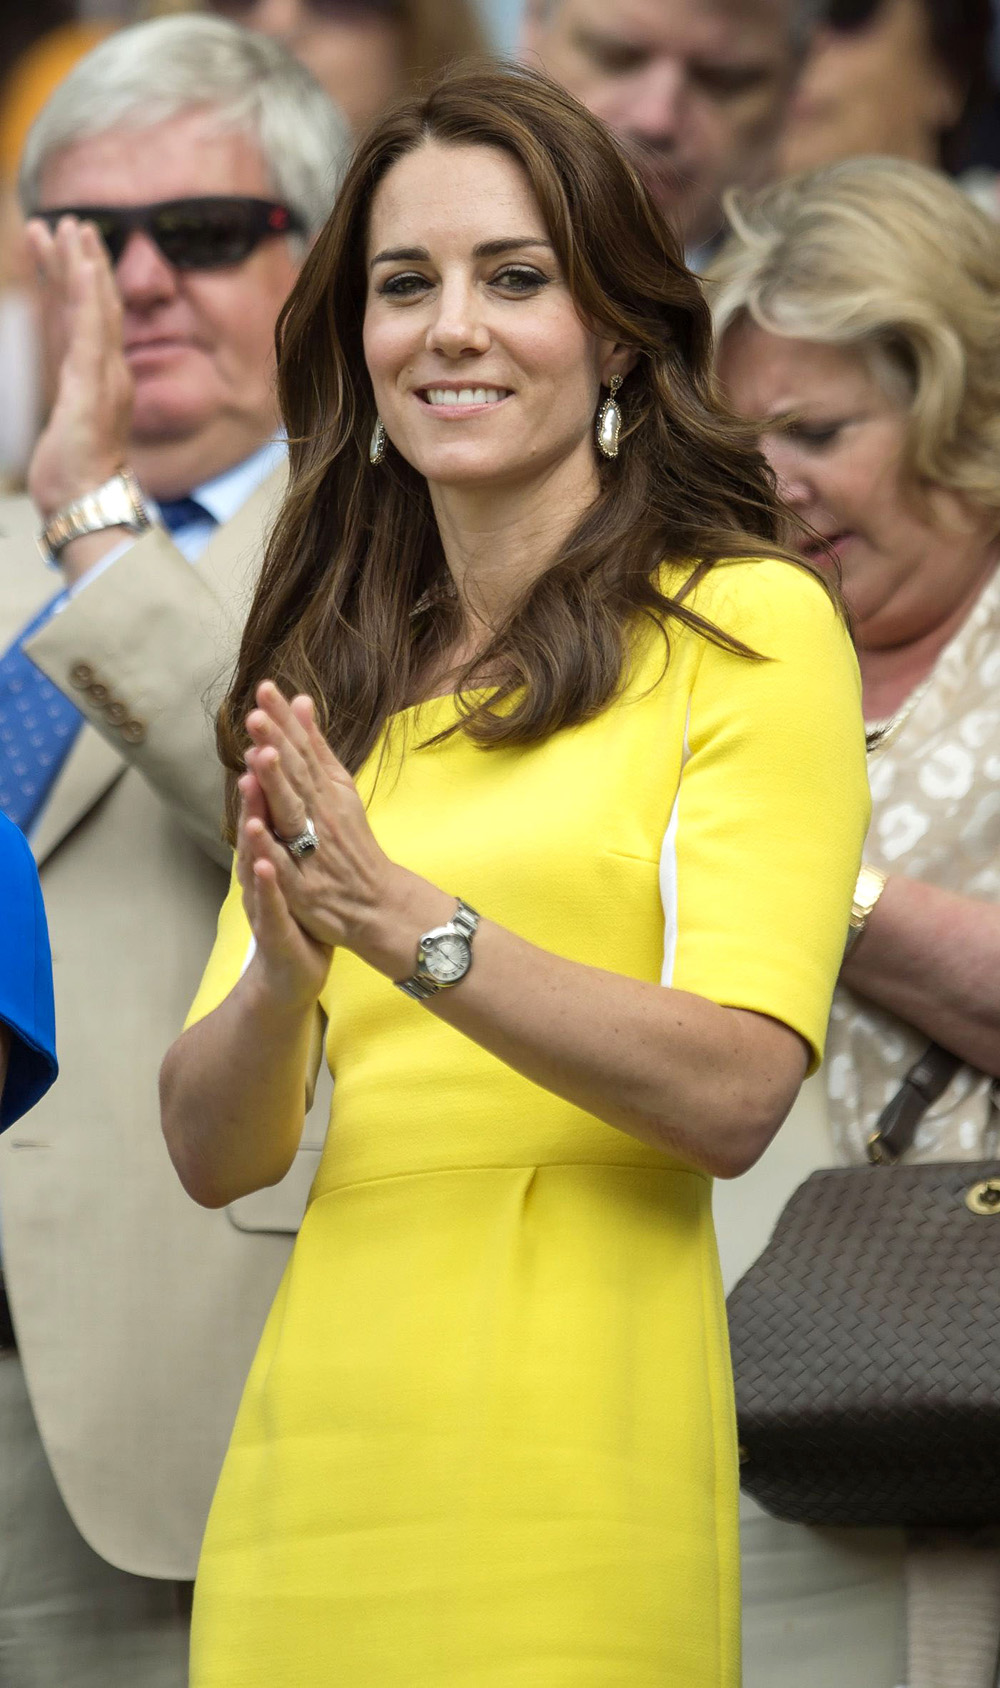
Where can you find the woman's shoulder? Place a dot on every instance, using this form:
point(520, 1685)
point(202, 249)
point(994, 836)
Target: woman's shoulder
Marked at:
point(763, 601)
point(26, 1007)
point(22, 916)
point(17, 864)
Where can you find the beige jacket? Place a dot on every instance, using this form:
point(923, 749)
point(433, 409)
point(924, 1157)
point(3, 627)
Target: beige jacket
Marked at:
point(137, 1312)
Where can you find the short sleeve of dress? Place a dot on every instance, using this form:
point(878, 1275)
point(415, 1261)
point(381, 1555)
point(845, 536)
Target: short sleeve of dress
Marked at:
point(231, 953)
point(761, 858)
point(26, 1002)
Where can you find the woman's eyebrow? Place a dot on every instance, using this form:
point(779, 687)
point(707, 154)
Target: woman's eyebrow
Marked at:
point(485, 249)
point(511, 243)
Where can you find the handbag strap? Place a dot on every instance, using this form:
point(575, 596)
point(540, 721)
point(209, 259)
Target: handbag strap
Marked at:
point(896, 1125)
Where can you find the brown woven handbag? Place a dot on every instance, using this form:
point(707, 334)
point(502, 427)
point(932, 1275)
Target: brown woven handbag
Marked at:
point(866, 1338)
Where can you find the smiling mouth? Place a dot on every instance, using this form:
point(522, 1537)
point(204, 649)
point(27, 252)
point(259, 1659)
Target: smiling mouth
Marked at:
point(451, 397)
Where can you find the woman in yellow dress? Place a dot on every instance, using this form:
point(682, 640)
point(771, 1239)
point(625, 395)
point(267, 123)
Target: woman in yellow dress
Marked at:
point(581, 770)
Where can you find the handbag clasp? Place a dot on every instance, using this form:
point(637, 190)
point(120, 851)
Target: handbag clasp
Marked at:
point(984, 1197)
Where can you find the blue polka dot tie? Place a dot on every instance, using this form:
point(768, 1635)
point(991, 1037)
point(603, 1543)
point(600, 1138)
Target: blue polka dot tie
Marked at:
point(38, 728)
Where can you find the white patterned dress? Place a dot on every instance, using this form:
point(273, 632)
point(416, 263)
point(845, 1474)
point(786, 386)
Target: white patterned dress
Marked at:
point(935, 787)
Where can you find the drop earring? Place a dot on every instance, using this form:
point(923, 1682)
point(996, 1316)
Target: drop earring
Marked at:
point(376, 448)
point(609, 421)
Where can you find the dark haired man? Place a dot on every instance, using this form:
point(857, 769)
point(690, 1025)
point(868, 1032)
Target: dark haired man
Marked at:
point(699, 88)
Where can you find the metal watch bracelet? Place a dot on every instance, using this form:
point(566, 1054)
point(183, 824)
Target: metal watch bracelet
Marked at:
point(118, 503)
point(421, 985)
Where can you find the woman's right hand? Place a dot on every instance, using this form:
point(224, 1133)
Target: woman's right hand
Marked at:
point(292, 965)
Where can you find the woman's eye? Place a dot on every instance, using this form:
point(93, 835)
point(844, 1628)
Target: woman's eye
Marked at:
point(404, 286)
point(813, 436)
point(520, 278)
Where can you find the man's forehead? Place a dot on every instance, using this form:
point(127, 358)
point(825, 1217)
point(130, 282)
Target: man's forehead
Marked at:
point(668, 24)
point(183, 156)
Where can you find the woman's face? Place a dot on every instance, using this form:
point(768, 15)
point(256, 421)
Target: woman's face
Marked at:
point(836, 440)
point(874, 89)
point(354, 51)
point(483, 373)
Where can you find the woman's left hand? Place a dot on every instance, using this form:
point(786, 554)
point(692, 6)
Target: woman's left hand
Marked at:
point(336, 891)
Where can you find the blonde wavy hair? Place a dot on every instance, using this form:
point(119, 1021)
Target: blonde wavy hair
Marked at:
point(890, 259)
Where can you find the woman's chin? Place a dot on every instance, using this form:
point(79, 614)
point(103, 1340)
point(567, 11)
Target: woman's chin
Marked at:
point(468, 470)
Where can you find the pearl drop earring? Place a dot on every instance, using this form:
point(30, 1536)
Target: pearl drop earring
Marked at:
point(609, 421)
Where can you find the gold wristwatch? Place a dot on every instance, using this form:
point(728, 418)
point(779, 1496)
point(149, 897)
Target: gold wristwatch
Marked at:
point(118, 503)
point(867, 892)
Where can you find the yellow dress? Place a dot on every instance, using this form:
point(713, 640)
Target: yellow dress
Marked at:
point(488, 1437)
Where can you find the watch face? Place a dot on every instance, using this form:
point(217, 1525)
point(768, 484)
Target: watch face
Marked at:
point(447, 958)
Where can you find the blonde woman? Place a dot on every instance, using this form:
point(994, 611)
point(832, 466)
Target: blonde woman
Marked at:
point(858, 310)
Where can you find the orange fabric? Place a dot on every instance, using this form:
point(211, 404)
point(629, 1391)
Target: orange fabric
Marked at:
point(37, 73)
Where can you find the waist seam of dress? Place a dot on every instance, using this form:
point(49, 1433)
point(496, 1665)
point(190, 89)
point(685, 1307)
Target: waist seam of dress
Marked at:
point(514, 1166)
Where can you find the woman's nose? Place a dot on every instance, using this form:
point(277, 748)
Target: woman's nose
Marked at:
point(789, 471)
point(458, 326)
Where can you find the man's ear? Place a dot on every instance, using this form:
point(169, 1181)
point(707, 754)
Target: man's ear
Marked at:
point(532, 32)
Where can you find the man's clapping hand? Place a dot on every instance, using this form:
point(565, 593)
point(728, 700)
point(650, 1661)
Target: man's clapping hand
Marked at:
point(86, 438)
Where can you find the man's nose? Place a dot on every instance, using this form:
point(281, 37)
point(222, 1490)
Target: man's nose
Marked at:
point(655, 105)
point(142, 274)
point(458, 326)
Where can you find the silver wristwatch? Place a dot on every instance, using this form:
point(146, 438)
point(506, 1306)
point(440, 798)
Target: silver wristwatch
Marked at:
point(444, 955)
point(118, 503)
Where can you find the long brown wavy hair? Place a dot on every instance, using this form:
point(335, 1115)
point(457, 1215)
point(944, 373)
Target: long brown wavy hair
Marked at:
point(352, 603)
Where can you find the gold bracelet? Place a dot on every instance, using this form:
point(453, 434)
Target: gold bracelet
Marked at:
point(867, 891)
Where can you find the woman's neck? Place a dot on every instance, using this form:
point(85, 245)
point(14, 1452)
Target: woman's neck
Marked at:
point(498, 540)
point(891, 673)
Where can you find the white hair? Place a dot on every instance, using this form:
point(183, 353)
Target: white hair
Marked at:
point(154, 71)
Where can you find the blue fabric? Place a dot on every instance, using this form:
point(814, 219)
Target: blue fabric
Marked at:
point(26, 1005)
point(38, 728)
point(179, 512)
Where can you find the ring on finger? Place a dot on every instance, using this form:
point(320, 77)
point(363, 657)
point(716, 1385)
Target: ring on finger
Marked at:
point(304, 842)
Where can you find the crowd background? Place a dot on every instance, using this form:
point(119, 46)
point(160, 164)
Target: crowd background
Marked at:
point(915, 79)
point(909, 78)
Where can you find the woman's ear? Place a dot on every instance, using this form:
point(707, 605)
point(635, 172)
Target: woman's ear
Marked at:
point(620, 360)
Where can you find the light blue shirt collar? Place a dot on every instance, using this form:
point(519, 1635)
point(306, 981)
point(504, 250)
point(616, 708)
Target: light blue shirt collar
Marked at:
point(223, 496)
point(227, 493)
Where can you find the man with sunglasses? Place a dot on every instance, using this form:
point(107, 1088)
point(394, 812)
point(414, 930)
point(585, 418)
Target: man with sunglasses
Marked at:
point(700, 88)
point(173, 181)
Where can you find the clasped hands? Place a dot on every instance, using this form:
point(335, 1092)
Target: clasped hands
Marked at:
point(346, 892)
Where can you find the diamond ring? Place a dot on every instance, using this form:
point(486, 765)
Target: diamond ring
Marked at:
point(303, 843)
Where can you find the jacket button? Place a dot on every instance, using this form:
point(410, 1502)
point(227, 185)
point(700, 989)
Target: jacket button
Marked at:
point(99, 693)
point(81, 674)
point(133, 732)
point(116, 712)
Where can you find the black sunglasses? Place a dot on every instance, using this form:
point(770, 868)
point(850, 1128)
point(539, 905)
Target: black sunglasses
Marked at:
point(845, 16)
point(192, 234)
